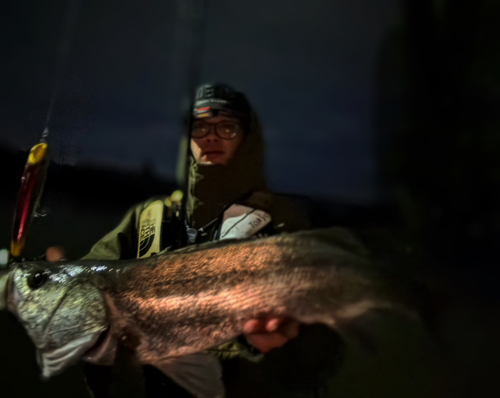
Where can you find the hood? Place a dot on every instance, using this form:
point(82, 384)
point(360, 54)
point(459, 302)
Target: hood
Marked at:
point(210, 188)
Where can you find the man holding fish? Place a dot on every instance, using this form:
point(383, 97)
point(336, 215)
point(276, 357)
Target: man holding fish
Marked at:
point(226, 198)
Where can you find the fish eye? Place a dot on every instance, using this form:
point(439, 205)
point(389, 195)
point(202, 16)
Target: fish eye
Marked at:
point(36, 280)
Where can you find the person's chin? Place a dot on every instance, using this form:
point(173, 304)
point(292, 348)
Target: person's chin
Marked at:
point(216, 159)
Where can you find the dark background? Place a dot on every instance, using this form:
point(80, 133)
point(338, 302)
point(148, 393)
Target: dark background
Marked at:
point(386, 114)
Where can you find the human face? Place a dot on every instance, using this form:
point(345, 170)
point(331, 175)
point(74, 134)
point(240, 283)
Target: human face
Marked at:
point(211, 149)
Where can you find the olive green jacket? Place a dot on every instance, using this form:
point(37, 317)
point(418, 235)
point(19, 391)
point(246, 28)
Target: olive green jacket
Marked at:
point(121, 243)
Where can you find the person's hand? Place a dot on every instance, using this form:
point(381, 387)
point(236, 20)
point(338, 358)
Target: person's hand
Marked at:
point(54, 253)
point(268, 333)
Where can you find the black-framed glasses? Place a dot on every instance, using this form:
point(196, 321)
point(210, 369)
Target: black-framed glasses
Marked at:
point(225, 129)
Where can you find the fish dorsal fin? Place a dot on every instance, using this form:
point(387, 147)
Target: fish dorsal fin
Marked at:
point(199, 374)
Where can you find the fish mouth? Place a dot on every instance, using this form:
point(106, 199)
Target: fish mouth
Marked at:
point(55, 361)
point(101, 347)
point(86, 347)
point(68, 338)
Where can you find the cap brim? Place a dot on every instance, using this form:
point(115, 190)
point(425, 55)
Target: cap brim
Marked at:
point(207, 111)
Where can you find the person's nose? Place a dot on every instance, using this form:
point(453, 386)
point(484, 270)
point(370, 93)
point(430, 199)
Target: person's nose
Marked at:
point(212, 135)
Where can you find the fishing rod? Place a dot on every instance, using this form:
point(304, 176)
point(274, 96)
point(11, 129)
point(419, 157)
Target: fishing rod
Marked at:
point(36, 167)
point(193, 14)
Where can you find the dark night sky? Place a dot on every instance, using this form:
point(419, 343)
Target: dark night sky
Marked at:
point(308, 67)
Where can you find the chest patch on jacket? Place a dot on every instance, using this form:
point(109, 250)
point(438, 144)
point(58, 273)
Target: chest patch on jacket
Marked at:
point(150, 229)
point(240, 222)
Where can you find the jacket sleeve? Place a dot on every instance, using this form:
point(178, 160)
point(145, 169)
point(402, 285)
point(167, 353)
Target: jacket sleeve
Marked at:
point(121, 242)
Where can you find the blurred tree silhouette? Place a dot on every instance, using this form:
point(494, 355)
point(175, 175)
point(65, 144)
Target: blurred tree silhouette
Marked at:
point(439, 127)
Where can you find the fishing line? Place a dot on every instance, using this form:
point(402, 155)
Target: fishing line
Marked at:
point(193, 15)
point(36, 167)
point(199, 21)
point(63, 51)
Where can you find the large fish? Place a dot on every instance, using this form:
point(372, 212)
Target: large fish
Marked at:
point(175, 305)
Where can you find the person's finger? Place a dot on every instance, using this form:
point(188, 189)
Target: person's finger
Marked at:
point(273, 324)
point(254, 326)
point(265, 342)
point(54, 253)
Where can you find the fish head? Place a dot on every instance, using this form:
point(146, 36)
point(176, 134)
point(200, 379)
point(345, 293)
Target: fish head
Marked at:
point(62, 311)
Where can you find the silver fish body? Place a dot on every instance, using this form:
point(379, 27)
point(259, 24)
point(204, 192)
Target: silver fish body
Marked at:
point(177, 304)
